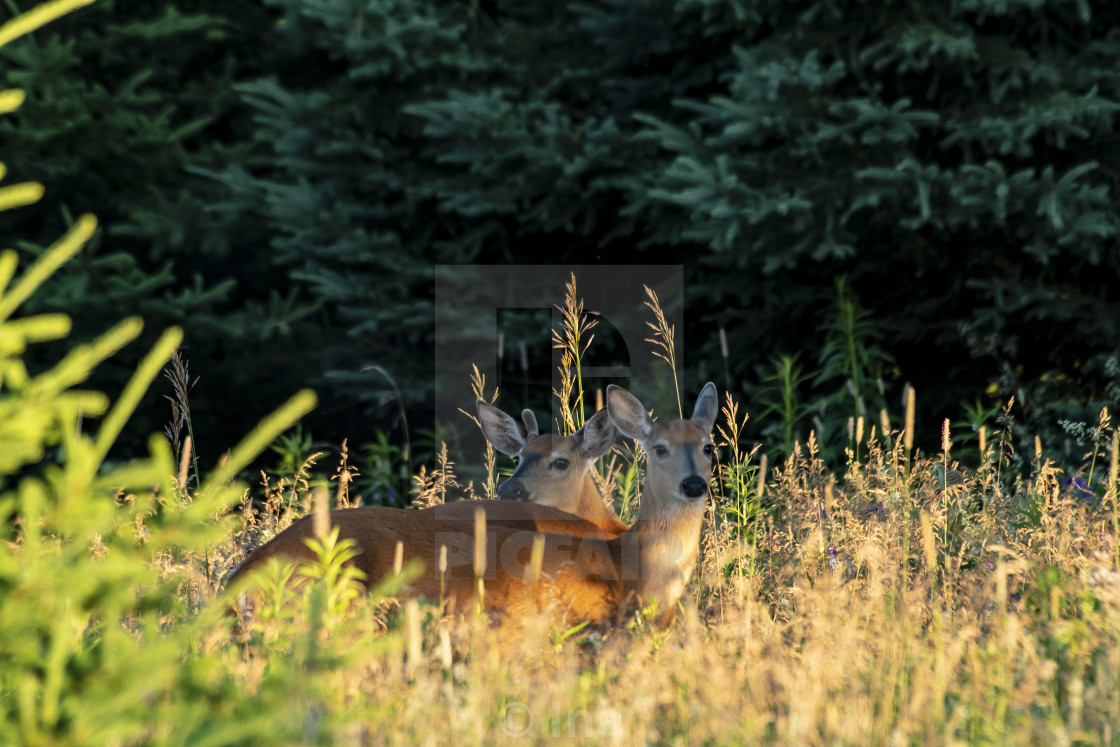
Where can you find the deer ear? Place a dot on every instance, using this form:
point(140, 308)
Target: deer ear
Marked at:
point(597, 435)
point(707, 408)
point(500, 429)
point(530, 421)
point(628, 414)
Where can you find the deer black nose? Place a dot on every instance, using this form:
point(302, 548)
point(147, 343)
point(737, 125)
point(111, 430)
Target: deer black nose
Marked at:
point(694, 487)
point(513, 490)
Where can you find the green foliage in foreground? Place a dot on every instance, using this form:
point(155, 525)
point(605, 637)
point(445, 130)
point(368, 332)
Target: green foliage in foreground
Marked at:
point(94, 633)
point(94, 628)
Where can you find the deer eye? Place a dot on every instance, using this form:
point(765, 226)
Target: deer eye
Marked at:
point(560, 463)
point(660, 450)
point(709, 450)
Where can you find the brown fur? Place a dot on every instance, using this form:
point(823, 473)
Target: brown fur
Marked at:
point(376, 529)
point(538, 479)
point(589, 571)
point(586, 502)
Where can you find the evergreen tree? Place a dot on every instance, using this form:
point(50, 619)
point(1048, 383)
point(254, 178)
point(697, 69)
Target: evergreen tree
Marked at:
point(950, 161)
point(955, 160)
point(455, 133)
point(125, 101)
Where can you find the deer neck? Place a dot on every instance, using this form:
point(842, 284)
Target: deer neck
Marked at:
point(659, 551)
point(592, 507)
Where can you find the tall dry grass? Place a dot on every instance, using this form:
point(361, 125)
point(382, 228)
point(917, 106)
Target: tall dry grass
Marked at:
point(870, 609)
point(902, 600)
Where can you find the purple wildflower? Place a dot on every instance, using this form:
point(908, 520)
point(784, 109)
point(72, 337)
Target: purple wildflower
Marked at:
point(1080, 490)
point(831, 558)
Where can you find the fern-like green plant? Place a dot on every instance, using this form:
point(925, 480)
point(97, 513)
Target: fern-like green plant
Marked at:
point(779, 398)
point(852, 365)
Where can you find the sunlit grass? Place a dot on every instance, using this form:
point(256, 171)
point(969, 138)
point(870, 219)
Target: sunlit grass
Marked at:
point(871, 607)
point(903, 600)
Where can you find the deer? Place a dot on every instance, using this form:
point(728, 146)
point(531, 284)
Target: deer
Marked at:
point(599, 579)
point(553, 488)
point(580, 572)
point(547, 465)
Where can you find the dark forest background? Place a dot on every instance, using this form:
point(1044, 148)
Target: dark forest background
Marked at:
point(863, 195)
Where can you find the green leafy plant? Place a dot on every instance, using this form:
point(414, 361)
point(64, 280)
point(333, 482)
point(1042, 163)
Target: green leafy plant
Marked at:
point(385, 477)
point(94, 556)
point(779, 397)
point(854, 365)
point(973, 430)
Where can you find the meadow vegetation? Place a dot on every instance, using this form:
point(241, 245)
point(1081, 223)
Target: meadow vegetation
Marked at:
point(883, 597)
point(898, 600)
point(901, 599)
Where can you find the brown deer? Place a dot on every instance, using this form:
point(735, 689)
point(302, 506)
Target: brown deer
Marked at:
point(584, 573)
point(553, 482)
point(547, 465)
